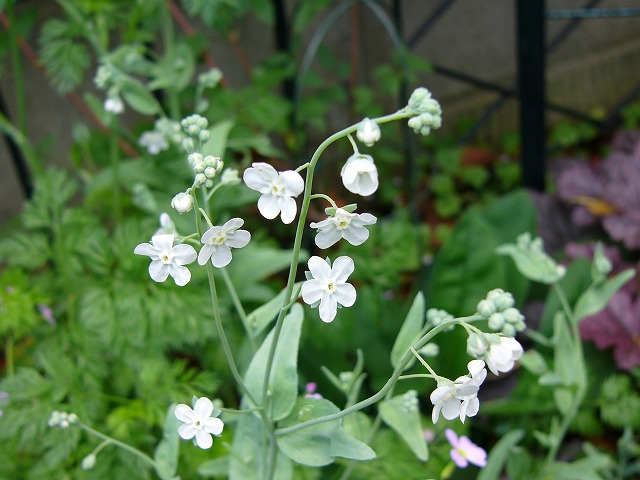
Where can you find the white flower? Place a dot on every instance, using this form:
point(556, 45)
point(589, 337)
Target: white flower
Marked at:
point(113, 104)
point(502, 356)
point(360, 175)
point(329, 286)
point(168, 260)
point(343, 224)
point(459, 398)
point(198, 422)
point(182, 202)
point(153, 141)
point(218, 242)
point(368, 132)
point(277, 188)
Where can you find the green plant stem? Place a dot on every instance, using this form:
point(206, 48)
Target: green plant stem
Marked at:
point(387, 387)
point(169, 45)
point(22, 141)
point(118, 443)
point(238, 306)
point(8, 354)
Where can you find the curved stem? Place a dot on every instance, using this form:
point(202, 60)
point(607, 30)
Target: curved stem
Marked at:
point(118, 443)
point(325, 197)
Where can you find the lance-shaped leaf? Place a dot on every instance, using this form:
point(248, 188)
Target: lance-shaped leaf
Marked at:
point(598, 295)
point(532, 261)
point(262, 316)
point(166, 454)
point(409, 331)
point(405, 420)
point(283, 380)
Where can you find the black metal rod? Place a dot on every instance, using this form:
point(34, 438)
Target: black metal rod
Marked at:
point(531, 74)
point(428, 23)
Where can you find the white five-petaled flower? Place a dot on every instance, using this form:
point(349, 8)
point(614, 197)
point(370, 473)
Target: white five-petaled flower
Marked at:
point(502, 356)
point(278, 190)
point(459, 398)
point(329, 286)
point(218, 241)
point(360, 175)
point(343, 224)
point(167, 259)
point(199, 422)
point(368, 132)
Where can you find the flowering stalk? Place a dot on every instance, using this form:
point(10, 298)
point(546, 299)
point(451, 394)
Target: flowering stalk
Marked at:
point(239, 308)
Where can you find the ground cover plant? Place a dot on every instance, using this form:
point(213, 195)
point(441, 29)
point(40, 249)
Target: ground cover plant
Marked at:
point(202, 294)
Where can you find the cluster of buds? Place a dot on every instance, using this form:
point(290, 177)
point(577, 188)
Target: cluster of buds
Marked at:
point(195, 126)
point(436, 316)
point(62, 419)
point(210, 79)
point(427, 110)
point(410, 401)
point(205, 168)
point(498, 308)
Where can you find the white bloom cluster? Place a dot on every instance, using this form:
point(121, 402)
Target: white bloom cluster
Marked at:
point(210, 79)
point(500, 352)
point(165, 131)
point(427, 110)
point(205, 168)
point(62, 419)
point(460, 397)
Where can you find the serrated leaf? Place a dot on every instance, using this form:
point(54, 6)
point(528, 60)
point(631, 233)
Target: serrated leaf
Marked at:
point(166, 454)
point(406, 422)
point(597, 296)
point(66, 59)
point(409, 331)
point(26, 250)
point(283, 382)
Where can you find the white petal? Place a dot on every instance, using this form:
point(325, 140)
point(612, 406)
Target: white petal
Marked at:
point(365, 219)
point(258, 179)
point(322, 224)
point(233, 224)
point(158, 271)
point(328, 308)
point(213, 426)
point(203, 439)
point(163, 242)
point(186, 431)
point(209, 234)
point(269, 206)
point(289, 210)
point(180, 274)
point(345, 294)
point(451, 409)
point(221, 256)
point(342, 267)
point(312, 291)
point(355, 235)
point(205, 253)
point(238, 239)
point(293, 183)
point(183, 254)
point(367, 184)
point(319, 268)
point(184, 413)
point(203, 408)
point(328, 237)
point(147, 249)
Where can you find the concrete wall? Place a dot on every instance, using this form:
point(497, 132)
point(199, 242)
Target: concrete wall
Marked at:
point(595, 67)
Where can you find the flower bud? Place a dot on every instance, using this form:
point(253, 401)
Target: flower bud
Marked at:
point(194, 157)
point(88, 462)
point(513, 315)
point(360, 175)
point(486, 308)
point(504, 301)
point(182, 202)
point(230, 176)
point(188, 145)
point(477, 344)
point(200, 179)
point(496, 321)
point(208, 183)
point(430, 350)
point(368, 132)
point(204, 136)
point(193, 130)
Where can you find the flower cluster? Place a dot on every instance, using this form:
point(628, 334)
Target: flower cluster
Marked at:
point(498, 351)
point(460, 397)
point(205, 168)
point(428, 113)
point(165, 132)
point(498, 309)
point(62, 419)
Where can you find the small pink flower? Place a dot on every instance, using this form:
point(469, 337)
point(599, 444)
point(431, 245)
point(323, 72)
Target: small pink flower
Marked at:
point(464, 451)
point(310, 388)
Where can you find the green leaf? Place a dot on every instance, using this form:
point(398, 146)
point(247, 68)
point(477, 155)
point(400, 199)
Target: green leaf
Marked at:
point(311, 445)
point(166, 454)
point(175, 70)
point(406, 422)
point(245, 463)
point(565, 360)
point(345, 446)
point(66, 58)
point(592, 467)
point(534, 264)
point(283, 383)
point(262, 316)
point(597, 296)
point(499, 455)
point(409, 331)
point(139, 97)
point(563, 398)
point(218, 467)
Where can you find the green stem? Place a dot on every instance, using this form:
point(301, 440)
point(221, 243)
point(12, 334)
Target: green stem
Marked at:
point(387, 387)
point(8, 354)
point(120, 444)
point(114, 156)
point(238, 306)
point(325, 197)
point(18, 77)
point(22, 141)
point(169, 46)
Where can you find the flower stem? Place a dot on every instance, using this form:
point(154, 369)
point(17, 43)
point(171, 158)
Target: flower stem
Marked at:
point(238, 306)
point(8, 354)
point(114, 155)
point(18, 79)
point(118, 443)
